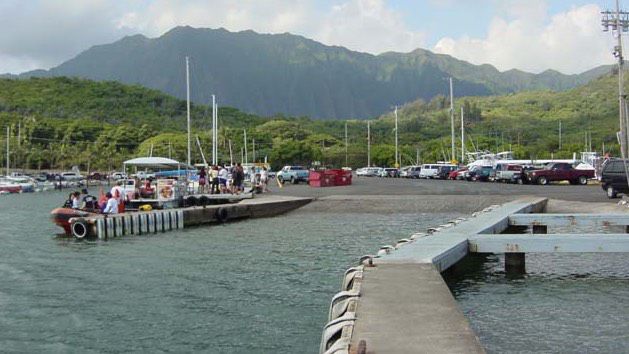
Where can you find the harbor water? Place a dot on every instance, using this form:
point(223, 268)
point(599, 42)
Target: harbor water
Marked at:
point(255, 286)
point(264, 286)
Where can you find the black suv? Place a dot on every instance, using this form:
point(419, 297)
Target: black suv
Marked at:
point(613, 178)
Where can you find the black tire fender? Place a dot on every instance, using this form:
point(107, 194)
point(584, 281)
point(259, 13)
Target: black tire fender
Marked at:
point(221, 214)
point(79, 228)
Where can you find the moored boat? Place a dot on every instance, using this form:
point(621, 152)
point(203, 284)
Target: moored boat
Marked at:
point(62, 216)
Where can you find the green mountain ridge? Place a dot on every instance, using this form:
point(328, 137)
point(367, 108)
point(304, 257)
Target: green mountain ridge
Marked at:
point(269, 74)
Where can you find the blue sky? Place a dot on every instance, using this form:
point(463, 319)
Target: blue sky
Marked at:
point(531, 35)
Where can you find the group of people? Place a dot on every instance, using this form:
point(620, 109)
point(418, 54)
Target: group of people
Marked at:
point(82, 200)
point(222, 179)
point(112, 203)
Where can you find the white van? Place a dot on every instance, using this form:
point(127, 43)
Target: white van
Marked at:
point(432, 170)
point(428, 170)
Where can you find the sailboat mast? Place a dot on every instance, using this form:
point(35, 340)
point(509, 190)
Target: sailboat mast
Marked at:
point(368, 145)
point(8, 164)
point(397, 165)
point(214, 121)
point(245, 150)
point(452, 118)
point(346, 158)
point(462, 136)
point(188, 106)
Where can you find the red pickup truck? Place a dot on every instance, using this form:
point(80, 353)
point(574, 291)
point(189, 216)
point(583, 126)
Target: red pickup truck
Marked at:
point(559, 171)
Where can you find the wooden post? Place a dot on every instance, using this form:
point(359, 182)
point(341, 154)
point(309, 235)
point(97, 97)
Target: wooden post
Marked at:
point(515, 263)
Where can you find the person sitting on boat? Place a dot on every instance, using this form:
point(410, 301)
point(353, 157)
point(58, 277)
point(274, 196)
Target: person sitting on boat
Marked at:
point(88, 201)
point(112, 204)
point(75, 200)
point(116, 191)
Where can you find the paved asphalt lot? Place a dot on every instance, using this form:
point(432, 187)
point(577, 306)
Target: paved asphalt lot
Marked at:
point(374, 186)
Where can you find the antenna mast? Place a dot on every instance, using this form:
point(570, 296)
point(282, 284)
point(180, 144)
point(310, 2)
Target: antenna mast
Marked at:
point(618, 21)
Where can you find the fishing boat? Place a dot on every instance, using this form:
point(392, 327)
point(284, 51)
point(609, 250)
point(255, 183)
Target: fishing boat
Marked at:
point(7, 186)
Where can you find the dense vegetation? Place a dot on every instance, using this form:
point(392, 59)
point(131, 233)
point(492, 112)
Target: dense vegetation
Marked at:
point(266, 74)
point(97, 125)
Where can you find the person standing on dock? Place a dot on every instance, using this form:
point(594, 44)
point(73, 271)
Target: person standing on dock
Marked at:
point(202, 180)
point(214, 177)
point(223, 175)
point(112, 204)
point(264, 179)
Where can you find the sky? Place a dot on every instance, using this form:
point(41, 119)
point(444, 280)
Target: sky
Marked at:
point(530, 35)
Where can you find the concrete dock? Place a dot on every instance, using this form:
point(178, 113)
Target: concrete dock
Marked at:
point(397, 302)
point(154, 221)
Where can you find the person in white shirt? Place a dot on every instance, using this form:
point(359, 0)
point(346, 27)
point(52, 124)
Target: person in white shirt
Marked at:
point(264, 179)
point(75, 200)
point(223, 176)
point(117, 193)
point(112, 205)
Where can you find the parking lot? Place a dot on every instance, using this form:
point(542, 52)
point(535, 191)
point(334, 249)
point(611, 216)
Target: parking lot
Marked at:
point(370, 186)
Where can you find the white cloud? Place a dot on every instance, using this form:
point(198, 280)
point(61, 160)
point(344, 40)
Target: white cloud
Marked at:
point(571, 42)
point(45, 33)
point(369, 26)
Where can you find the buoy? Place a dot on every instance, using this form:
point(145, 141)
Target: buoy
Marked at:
point(79, 228)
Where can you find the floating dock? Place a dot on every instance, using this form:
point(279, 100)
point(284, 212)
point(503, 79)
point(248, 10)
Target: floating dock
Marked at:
point(155, 221)
point(397, 302)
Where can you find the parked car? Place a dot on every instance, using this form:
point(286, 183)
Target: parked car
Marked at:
point(560, 171)
point(96, 176)
point(294, 174)
point(458, 174)
point(144, 175)
point(613, 178)
point(390, 172)
point(444, 171)
point(508, 173)
point(368, 171)
point(479, 173)
point(118, 175)
point(432, 170)
point(71, 176)
point(411, 172)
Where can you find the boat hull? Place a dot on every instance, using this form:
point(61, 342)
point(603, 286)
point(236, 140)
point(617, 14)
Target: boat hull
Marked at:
point(62, 216)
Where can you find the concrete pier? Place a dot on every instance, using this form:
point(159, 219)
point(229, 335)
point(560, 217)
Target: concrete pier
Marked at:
point(150, 222)
point(408, 308)
point(400, 303)
point(403, 305)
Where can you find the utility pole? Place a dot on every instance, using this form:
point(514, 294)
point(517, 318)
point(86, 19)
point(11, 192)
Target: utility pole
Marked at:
point(452, 117)
point(462, 137)
point(254, 150)
point(618, 21)
point(346, 158)
point(188, 106)
point(368, 145)
point(397, 165)
point(417, 157)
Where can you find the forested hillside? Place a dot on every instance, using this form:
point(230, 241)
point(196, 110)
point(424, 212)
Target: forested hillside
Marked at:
point(64, 122)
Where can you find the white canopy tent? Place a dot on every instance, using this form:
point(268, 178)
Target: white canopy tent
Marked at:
point(157, 163)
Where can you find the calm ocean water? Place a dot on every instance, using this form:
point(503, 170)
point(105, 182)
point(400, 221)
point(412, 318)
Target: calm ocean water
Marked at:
point(256, 286)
